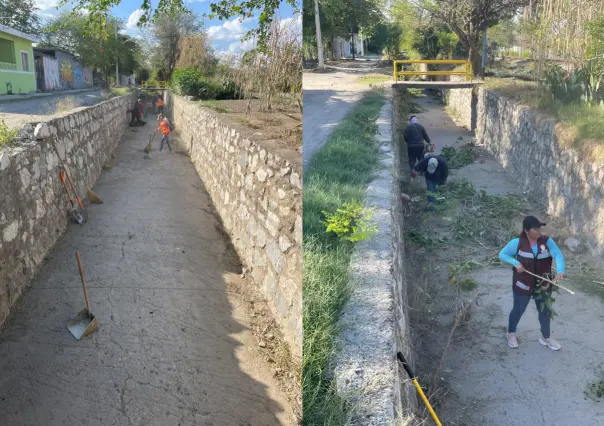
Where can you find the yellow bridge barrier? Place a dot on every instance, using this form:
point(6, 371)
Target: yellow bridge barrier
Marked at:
point(467, 72)
point(154, 85)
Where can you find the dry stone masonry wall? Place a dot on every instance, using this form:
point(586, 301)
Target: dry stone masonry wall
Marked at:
point(527, 144)
point(33, 203)
point(256, 186)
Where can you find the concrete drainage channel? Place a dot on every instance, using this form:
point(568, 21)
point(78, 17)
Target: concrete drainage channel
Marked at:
point(162, 274)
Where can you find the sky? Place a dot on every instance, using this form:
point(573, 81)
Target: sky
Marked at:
point(226, 35)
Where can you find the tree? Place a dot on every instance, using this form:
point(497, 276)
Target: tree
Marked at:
point(469, 18)
point(69, 32)
point(319, 37)
point(196, 52)
point(340, 18)
point(20, 15)
point(225, 9)
point(168, 30)
point(98, 12)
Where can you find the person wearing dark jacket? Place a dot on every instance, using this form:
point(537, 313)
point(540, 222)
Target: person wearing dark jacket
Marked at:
point(415, 134)
point(436, 172)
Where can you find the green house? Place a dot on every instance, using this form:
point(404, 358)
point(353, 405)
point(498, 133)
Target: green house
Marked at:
point(17, 69)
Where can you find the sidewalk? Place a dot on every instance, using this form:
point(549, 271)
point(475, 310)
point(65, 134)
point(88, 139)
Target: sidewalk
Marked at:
point(16, 98)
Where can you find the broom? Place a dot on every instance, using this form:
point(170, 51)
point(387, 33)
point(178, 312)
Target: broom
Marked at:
point(147, 149)
point(91, 195)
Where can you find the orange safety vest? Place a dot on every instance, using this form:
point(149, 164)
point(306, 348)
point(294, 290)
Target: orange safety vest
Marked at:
point(165, 128)
point(160, 102)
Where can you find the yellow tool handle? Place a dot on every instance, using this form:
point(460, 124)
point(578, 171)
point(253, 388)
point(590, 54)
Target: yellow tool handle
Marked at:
point(423, 396)
point(411, 375)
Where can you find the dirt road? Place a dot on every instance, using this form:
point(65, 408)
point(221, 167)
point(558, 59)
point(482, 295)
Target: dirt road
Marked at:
point(48, 105)
point(328, 97)
point(173, 345)
point(487, 382)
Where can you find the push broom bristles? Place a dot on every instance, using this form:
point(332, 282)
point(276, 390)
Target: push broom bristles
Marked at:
point(93, 197)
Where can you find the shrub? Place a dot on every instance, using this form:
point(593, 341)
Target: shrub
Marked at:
point(351, 222)
point(188, 82)
point(8, 135)
point(191, 82)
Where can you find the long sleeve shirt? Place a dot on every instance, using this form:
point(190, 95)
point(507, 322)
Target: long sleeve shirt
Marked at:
point(415, 134)
point(508, 253)
point(441, 173)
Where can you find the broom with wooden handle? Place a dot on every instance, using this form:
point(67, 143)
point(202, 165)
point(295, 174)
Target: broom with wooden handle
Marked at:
point(91, 195)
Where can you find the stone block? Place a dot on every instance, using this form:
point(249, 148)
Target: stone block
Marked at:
point(274, 254)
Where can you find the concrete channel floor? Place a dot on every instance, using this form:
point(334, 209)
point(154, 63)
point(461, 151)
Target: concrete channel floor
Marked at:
point(491, 384)
point(173, 347)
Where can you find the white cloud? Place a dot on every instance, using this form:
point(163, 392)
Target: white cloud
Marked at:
point(47, 4)
point(230, 30)
point(241, 46)
point(134, 18)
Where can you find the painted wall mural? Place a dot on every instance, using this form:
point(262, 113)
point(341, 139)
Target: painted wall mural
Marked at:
point(51, 73)
point(88, 79)
point(66, 72)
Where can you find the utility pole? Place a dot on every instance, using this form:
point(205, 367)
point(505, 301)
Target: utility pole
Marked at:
point(483, 69)
point(117, 59)
point(319, 37)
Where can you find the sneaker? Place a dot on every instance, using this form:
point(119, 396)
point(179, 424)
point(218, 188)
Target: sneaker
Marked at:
point(512, 340)
point(550, 343)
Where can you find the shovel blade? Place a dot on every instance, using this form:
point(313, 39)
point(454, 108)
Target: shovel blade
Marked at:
point(83, 324)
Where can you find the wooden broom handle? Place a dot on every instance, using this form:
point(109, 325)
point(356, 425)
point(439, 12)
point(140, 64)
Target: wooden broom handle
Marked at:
point(83, 282)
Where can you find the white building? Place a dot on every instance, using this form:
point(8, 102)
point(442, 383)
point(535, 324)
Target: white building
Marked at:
point(342, 48)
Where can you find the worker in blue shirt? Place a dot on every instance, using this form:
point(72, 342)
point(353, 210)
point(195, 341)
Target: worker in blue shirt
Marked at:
point(535, 253)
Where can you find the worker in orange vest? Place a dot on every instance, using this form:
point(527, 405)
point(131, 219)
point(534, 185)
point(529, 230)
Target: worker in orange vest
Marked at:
point(160, 104)
point(164, 126)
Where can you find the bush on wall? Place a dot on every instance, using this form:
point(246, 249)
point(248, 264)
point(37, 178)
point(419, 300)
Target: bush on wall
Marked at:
point(191, 82)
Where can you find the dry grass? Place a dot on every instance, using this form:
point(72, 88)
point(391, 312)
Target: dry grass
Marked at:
point(374, 78)
point(283, 123)
point(580, 127)
point(525, 92)
point(66, 104)
point(273, 76)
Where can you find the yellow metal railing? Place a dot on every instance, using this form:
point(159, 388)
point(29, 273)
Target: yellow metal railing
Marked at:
point(467, 72)
point(154, 84)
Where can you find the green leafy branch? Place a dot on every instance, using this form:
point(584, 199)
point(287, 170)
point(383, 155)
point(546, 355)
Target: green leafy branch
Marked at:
point(352, 222)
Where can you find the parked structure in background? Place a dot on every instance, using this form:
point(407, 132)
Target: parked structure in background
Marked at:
point(342, 48)
point(127, 80)
point(57, 69)
point(17, 75)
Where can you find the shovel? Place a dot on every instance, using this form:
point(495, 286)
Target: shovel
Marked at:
point(75, 215)
point(85, 322)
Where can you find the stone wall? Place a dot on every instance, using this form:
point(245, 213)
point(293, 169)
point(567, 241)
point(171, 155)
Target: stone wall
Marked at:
point(403, 330)
point(462, 103)
point(459, 102)
point(256, 186)
point(528, 145)
point(33, 203)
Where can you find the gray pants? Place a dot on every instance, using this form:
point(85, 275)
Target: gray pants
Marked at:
point(165, 138)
